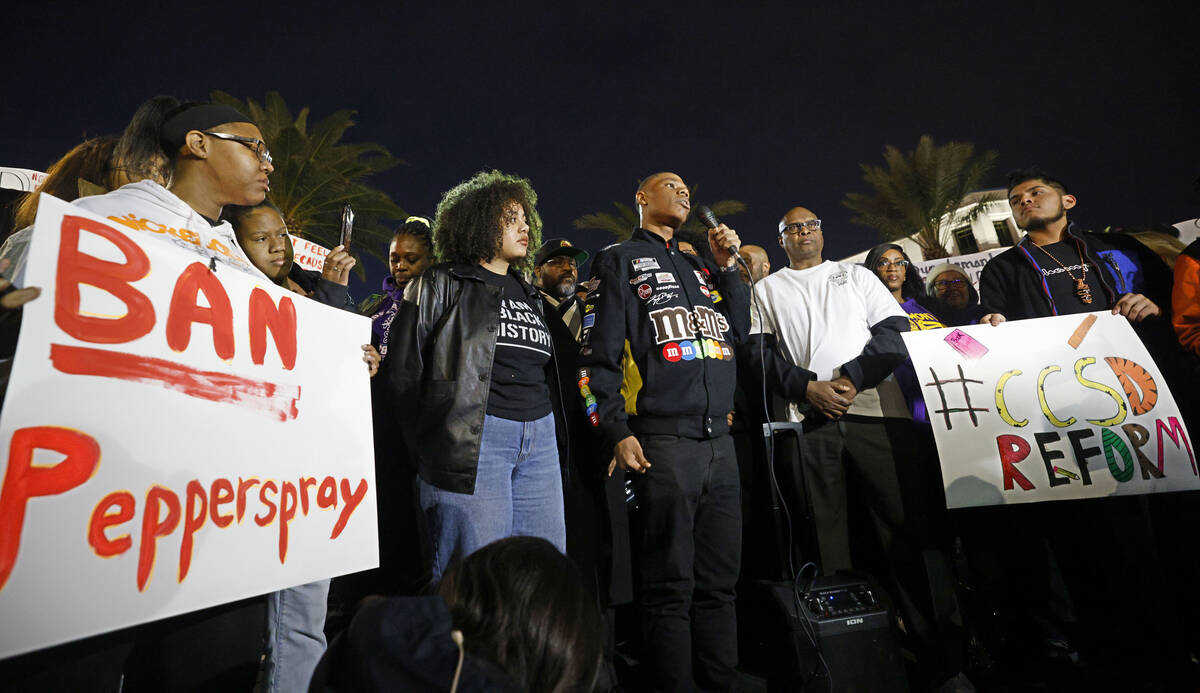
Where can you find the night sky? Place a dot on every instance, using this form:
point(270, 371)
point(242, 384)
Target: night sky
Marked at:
point(772, 104)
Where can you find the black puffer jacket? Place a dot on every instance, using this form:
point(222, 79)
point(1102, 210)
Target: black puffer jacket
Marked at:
point(438, 370)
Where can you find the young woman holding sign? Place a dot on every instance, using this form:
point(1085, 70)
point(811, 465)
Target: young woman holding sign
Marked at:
point(295, 616)
point(472, 376)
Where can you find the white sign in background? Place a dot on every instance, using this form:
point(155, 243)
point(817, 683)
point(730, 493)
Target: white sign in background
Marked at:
point(20, 178)
point(972, 263)
point(1057, 408)
point(309, 255)
point(168, 476)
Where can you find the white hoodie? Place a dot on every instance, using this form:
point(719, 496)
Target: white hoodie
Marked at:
point(148, 207)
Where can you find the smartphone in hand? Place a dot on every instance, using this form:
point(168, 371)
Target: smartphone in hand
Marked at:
point(347, 226)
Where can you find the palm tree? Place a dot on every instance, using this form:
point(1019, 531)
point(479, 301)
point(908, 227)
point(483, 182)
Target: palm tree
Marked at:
point(316, 174)
point(622, 224)
point(918, 189)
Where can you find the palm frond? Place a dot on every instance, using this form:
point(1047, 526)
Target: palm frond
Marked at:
point(915, 190)
point(316, 173)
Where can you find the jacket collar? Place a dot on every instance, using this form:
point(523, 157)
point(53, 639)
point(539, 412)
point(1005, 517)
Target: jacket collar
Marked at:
point(648, 235)
point(475, 273)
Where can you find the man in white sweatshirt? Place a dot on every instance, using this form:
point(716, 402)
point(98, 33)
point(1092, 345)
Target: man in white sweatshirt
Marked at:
point(831, 339)
point(835, 330)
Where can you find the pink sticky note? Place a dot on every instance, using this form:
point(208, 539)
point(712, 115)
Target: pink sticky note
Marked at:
point(965, 344)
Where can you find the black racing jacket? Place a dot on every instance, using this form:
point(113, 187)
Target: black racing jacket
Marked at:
point(659, 334)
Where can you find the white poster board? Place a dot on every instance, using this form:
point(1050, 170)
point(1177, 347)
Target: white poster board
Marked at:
point(25, 179)
point(173, 438)
point(309, 255)
point(1050, 409)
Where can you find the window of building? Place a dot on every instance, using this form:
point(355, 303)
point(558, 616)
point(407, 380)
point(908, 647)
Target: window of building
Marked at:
point(1004, 232)
point(964, 238)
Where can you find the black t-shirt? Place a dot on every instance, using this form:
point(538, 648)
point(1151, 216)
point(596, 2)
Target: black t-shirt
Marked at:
point(518, 390)
point(1062, 286)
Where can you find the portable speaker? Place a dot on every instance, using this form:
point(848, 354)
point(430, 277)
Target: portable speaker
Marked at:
point(849, 617)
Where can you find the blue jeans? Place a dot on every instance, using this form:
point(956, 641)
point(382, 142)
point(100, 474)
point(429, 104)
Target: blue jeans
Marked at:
point(295, 636)
point(518, 492)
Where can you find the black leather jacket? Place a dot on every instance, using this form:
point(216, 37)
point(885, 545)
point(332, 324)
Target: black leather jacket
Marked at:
point(438, 367)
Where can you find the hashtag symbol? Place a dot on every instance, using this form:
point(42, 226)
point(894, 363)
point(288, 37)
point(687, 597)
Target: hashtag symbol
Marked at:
point(947, 410)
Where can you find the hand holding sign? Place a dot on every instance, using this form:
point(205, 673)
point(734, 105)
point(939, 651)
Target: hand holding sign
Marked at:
point(163, 436)
point(372, 358)
point(1136, 307)
point(10, 298)
point(1052, 408)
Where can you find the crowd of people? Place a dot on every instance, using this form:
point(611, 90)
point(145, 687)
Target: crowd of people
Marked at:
point(551, 449)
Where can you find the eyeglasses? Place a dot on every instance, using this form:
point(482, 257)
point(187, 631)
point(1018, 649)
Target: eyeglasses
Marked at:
point(562, 261)
point(257, 146)
point(947, 283)
point(884, 264)
point(798, 227)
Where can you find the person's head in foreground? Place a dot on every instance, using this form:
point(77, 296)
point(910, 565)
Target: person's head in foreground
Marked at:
point(523, 606)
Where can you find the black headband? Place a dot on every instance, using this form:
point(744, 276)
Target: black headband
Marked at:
point(196, 117)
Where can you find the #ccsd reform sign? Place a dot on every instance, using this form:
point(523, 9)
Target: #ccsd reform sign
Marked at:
point(1050, 409)
point(172, 437)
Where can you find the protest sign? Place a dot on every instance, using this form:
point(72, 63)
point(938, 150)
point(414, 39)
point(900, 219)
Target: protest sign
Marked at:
point(1050, 409)
point(309, 255)
point(23, 179)
point(972, 263)
point(173, 436)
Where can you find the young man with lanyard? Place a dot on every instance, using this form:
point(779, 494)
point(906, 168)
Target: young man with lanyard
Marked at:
point(830, 336)
point(1054, 270)
point(658, 376)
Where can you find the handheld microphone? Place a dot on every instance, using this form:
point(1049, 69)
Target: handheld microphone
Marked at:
point(706, 216)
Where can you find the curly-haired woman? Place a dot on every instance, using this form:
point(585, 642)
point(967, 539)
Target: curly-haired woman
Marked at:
point(472, 376)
